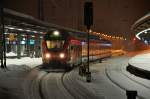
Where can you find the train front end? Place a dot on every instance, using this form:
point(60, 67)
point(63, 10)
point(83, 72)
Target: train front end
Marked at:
point(53, 53)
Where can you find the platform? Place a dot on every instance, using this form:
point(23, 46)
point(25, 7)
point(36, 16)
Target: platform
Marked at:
point(139, 65)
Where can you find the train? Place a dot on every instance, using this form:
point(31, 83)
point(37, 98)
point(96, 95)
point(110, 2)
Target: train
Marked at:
point(66, 49)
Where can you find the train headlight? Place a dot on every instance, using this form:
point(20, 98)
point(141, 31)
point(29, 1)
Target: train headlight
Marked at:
point(62, 55)
point(48, 55)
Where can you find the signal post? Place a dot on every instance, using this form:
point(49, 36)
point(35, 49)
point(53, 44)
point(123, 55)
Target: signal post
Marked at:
point(88, 22)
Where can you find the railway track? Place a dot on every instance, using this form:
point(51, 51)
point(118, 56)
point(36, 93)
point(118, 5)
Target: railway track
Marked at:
point(55, 84)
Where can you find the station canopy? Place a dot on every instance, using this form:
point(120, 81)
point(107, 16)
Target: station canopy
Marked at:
point(141, 24)
point(18, 22)
point(142, 28)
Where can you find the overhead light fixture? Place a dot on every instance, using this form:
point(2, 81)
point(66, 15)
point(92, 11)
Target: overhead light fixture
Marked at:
point(145, 41)
point(11, 28)
point(8, 27)
point(137, 35)
point(19, 29)
point(35, 31)
point(145, 32)
point(24, 38)
point(56, 33)
point(28, 30)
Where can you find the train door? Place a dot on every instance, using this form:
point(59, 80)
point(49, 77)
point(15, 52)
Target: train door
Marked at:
point(75, 54)
point(78, 50)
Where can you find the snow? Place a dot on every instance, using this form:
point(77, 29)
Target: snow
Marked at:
point(12, 78)
point(11, 54)
point(30, 62)
point(119, 80)
point(127, 81)
point(100, 85)
point(141, 61)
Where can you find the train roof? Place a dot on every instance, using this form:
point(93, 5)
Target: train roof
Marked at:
point(79, 35)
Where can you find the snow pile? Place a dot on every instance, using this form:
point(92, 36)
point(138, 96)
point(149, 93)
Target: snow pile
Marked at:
point(11, 54)
point(30, 62)
point(141, 61)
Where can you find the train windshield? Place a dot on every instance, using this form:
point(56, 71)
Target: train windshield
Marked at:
point(55, 44)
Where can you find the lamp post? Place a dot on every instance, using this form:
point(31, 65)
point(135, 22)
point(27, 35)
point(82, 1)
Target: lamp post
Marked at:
point(88, 21)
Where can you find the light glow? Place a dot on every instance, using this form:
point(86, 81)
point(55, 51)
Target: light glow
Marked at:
point(146, 42)
point(24, 38)
point(144, 31)
point(28, 30)
point(11, 28)
point(34, 31)
point(61, 55)
point(56, 33)
point(20, 29)
point(106, 44)
point(48, 55)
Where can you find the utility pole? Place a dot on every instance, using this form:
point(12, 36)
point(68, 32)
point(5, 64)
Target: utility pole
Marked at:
point(88, 22)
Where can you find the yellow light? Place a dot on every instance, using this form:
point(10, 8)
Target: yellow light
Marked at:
point(61, 55)
point(56, 33)
point(90, 30)
point(48, 55)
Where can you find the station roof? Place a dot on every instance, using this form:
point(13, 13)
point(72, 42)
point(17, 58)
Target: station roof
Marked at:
point(142, 24)
point(142, 29)
point(19, 22)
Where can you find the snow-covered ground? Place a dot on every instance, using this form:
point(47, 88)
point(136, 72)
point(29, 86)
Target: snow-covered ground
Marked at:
point(110, 80)
point(23, 62)
point(12, 78)
point(118, 74)
point(11, 54)
point(30, 62)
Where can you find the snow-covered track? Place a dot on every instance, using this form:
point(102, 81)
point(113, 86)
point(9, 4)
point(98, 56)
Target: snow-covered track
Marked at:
point(55, 84)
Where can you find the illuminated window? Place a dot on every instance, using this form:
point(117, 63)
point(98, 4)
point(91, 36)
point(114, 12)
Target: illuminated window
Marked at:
point(55, 44)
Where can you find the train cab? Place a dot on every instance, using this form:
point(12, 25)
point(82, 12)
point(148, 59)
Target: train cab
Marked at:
point(53, 48)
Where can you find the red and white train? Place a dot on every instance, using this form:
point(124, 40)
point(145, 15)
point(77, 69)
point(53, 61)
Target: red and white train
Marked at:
point(61, 48)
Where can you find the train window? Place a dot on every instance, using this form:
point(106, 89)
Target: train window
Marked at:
point(55, 44)
point(71, 47)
